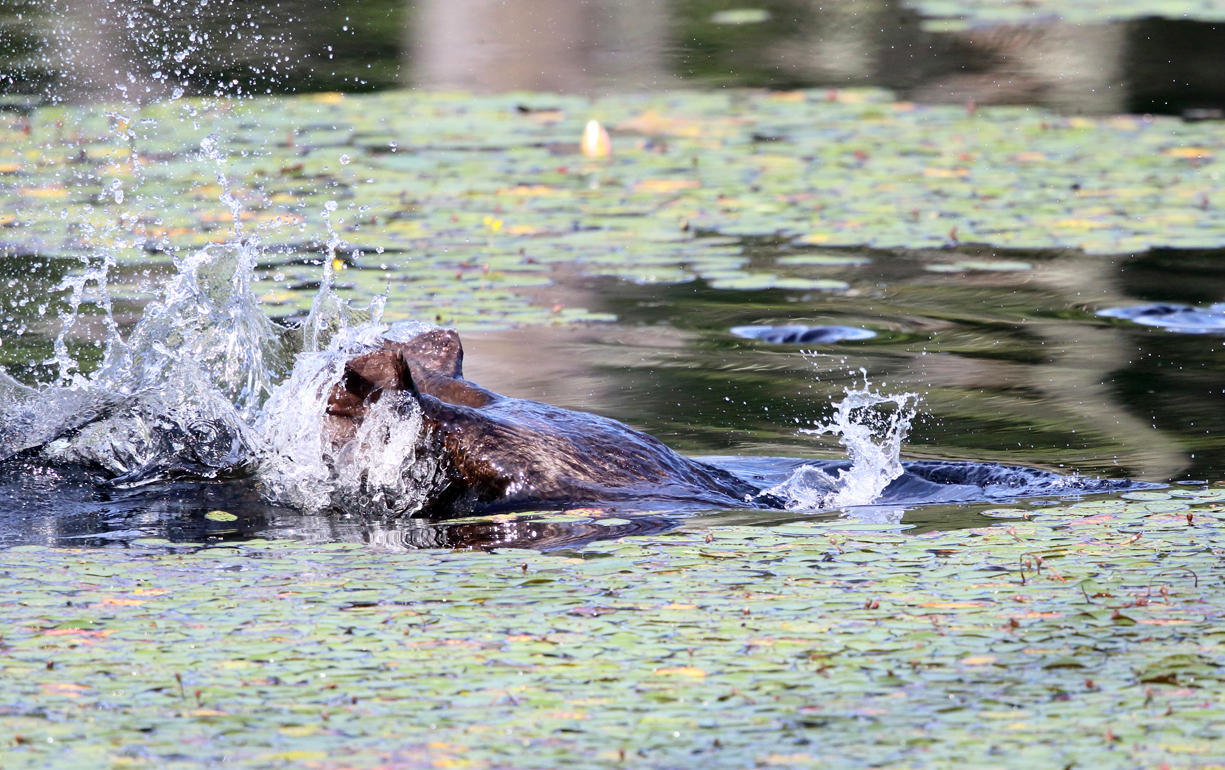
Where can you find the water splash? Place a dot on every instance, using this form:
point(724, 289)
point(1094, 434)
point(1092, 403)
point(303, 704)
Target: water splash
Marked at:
point(329, 313)
point(389, 466)
point(207, 385)
point(179, 393)
point(207, 329)
point(872, 435)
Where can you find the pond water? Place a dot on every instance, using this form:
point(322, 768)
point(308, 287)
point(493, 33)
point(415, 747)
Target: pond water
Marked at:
point(1010, 368)
point(939, 280)
point(1043, 282)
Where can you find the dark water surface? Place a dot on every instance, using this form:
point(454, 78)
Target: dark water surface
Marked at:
point(1100, 64)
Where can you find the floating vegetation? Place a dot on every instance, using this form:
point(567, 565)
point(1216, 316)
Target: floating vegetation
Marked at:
point(737, 16)
point(467, 209)
point(1080, 634)
point(825, 260)
point(990, 266)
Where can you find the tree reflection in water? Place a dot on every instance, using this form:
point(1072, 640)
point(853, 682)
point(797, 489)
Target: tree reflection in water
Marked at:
point(89, 50)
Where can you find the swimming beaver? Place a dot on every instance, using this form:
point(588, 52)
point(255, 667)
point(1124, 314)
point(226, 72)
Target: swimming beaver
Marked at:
point(499, 452)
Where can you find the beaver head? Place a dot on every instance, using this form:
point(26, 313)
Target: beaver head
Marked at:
point(363, 382)
point(365, 378)
point(429, 363)
point(435, 351)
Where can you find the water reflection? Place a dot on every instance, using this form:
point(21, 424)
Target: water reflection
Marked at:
point(96, 49)
point(60, 506)
point(1015, 367)
point(1146, 65)
point(538, 45)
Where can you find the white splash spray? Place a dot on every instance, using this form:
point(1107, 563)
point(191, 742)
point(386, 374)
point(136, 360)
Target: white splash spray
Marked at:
point(180, 392)
point(872, 435)
point(386, 468)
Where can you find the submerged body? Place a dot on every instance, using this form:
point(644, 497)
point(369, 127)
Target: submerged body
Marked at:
point(496, 451)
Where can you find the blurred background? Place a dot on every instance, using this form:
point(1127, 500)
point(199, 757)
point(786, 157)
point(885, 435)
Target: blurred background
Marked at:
point(1078, 57)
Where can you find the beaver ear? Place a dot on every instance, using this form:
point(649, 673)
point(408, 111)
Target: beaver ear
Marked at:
point(366, 377)
point(382, 369)
point(404, 374)
point(437, 351)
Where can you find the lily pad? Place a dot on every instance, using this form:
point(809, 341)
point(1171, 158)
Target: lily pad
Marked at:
point(657, 644)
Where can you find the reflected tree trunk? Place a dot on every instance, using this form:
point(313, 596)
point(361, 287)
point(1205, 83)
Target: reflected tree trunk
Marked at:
point(95, 42)
point(542, 45)
point(839, 50)
point(1081, 67)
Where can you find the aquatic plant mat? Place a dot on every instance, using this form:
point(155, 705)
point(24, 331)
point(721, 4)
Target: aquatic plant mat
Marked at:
point(457, 203)
point(1084, 635)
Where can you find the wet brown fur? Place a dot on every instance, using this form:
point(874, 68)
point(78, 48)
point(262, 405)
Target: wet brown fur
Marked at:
point(502, 451)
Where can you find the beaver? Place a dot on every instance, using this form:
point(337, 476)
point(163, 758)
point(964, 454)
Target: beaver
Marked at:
point(499, 452)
